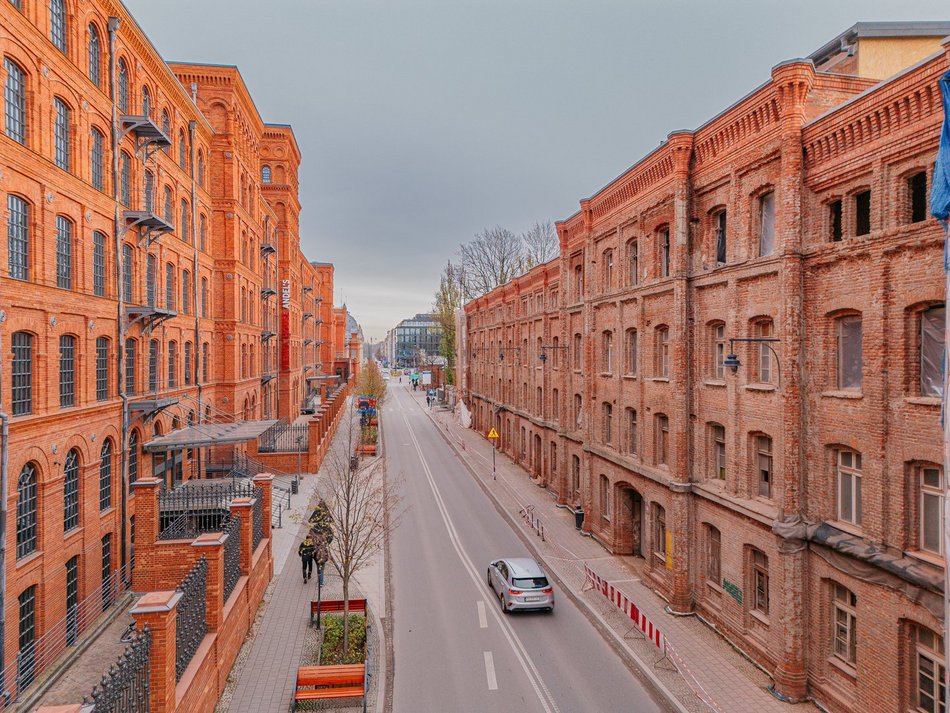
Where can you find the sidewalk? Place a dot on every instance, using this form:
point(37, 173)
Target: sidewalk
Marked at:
point(264, 675)
point(716, 677)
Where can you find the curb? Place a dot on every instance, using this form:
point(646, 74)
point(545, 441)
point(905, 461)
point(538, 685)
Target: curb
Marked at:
point(615, 641)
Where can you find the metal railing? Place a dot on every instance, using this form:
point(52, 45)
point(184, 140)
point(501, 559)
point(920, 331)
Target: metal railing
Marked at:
point(284, 437)
point(125, 687)
point(30, 661)
point(258, 521)
point(232, 554)
point(191, 621)
point(200, 506)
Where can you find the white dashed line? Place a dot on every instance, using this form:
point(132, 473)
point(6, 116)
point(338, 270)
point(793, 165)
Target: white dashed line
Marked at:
point(490, 671)
point(482, 619)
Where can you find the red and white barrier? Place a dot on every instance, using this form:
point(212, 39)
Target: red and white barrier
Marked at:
point(650, 631)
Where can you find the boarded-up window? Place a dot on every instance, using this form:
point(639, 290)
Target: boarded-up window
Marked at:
point(932, 326)
point(767, 224)
point(849, 352)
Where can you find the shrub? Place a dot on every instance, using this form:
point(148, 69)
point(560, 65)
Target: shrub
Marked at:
point(331, 653)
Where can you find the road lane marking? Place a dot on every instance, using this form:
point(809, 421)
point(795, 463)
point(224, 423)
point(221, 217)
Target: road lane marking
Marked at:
point(482, 619)
point(490, 671)
point(521, 653)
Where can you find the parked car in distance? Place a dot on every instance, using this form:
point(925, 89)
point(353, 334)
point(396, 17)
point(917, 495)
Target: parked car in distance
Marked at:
point(520, 583)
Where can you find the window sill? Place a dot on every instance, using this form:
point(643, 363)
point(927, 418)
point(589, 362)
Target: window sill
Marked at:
point(922, 400)
point(631, 377)
point(848, 527)
point(660, 557)
point(842, 394)
point(718, 383)
point(32, 557)
point(714, 588)
point(844, 667)
point(607, 374)
point(929, 557)
point(759, 617)
point(662, 379)
point(760, 387)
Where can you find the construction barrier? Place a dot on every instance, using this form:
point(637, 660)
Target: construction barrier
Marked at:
point(629, 609)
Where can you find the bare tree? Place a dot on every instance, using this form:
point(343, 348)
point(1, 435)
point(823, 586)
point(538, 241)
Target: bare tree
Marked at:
point(448, 299)
point(492, 258)
point(539, 244)
point(364, 509)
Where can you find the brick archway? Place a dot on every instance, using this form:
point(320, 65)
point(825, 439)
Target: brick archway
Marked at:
point(628, 516)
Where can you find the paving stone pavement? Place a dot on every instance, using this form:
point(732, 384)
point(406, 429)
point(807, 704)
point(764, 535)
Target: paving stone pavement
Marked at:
point(267, 677)
point(716, 676)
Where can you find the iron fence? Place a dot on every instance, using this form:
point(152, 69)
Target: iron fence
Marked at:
point(284, 437)
point(232, 555)
point(125, 687)
point(198, 507)
point(191, 622)
point(258, 521)
point(35, 657)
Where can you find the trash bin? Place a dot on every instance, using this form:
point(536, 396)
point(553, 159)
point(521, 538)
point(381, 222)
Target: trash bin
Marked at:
point(294, 487)
point(579, 518)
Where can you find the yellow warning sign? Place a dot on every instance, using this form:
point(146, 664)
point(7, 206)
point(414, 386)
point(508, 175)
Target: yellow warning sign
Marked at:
point(493, 433)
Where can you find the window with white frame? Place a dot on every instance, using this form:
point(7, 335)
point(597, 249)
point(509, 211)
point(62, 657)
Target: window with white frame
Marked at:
point(662, 447)
point(717, 437)
point(929, 673)
point(763, 459)
point(659, 531)
point(718, 342)
point(930, 508)
point(764, 366)
point(631, 352)
point(850, 360)
point(845, 631)
point(713, 555)
point(663, 352)
point(849, 487)
point(759, 563)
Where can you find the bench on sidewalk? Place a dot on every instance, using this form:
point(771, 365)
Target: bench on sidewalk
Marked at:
point(319, 683)
point(335, 606)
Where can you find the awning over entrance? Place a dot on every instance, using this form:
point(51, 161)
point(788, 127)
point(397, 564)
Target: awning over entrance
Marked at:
point(208, 434)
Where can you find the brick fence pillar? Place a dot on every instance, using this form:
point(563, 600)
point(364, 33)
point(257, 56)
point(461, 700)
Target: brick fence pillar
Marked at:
point(243, 507)
point(681, 598)
point(157, 610)
point(264, 484)
point(211, 545)
point(146, 532)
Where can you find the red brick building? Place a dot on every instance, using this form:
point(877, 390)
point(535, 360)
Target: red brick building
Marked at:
point(152, 277)
point(793, 500)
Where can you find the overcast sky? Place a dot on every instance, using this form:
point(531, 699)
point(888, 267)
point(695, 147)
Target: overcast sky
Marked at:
point(423, 121)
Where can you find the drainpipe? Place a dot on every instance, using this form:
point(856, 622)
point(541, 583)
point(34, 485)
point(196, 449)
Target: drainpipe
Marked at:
point(114, 23)
point(192, 125)
point(280, 322)
point(4, 489)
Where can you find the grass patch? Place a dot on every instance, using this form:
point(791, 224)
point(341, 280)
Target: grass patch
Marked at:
point(331, 652)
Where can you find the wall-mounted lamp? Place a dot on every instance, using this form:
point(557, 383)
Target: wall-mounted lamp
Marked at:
point(543, 357)
point(502, 350)
point(732, 361)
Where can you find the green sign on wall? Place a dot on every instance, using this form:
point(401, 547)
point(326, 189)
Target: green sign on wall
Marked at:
point(733, 590)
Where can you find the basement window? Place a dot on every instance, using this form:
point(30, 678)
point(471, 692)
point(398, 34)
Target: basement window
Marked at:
point(862, 213)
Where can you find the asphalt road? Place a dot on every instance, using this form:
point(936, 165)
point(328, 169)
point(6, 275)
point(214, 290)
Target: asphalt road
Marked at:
point(455, 652)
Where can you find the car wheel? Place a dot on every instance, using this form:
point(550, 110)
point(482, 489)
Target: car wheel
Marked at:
point(491, 585)
point(504, 607)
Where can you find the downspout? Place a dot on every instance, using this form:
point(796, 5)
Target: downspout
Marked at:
point(4, 489)
point(199, 352)
point(114, 23)
point(280, 321)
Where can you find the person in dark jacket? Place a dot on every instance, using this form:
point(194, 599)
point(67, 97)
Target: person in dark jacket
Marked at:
point(306, 551)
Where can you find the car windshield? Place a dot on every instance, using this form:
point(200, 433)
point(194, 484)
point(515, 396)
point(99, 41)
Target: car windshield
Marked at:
point(529, 582)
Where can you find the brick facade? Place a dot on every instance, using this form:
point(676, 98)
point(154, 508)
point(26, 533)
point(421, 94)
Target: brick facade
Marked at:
point(83, 308)
point(773, 498)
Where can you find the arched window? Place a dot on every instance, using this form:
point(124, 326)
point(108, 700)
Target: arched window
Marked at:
point(98, 264)
point(18, 237)
point(265, 174)
point(166, 126)
point(169, 216)
point(61, 149)
point(133, 456)
point(122, 88)
point(102, 368)
point(717, 451)
point(204, 296)
point(153, 365)
point(767, 224)
point(146, 101)
point(202, 233)
point(71, 491)
point(183, 232)
point(607, 271)
point(22, 373)
point(105, 475)
point(607, 352)
point(26, 511)
point(633, 262)
point(127, 272)
point(181, 148)
point(717, 348)
point(130, 366)
point(172, 364)
point(67, 371)
point(15, 101)
point(169, 286)
point(185, 292)
point(204, 362)
point(97, 159)
point(125, 179)
point(64, 252)
point(95, 56)
point(662, 352)
point(630, 426)
point(187, 363)
point(57, 24)
point(764, 366)
point(150, 279)
point(200, 169)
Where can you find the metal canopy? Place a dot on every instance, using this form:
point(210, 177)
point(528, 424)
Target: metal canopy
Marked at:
point(208, 434)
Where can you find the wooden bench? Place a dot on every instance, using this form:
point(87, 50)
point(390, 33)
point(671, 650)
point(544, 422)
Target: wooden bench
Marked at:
point(318, 683)
point(335, 606)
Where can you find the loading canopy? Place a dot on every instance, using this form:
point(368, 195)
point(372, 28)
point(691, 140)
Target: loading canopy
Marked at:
point(208, 434)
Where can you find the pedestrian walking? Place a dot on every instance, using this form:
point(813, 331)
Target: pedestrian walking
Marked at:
point(306, 552)
point(428, 401)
